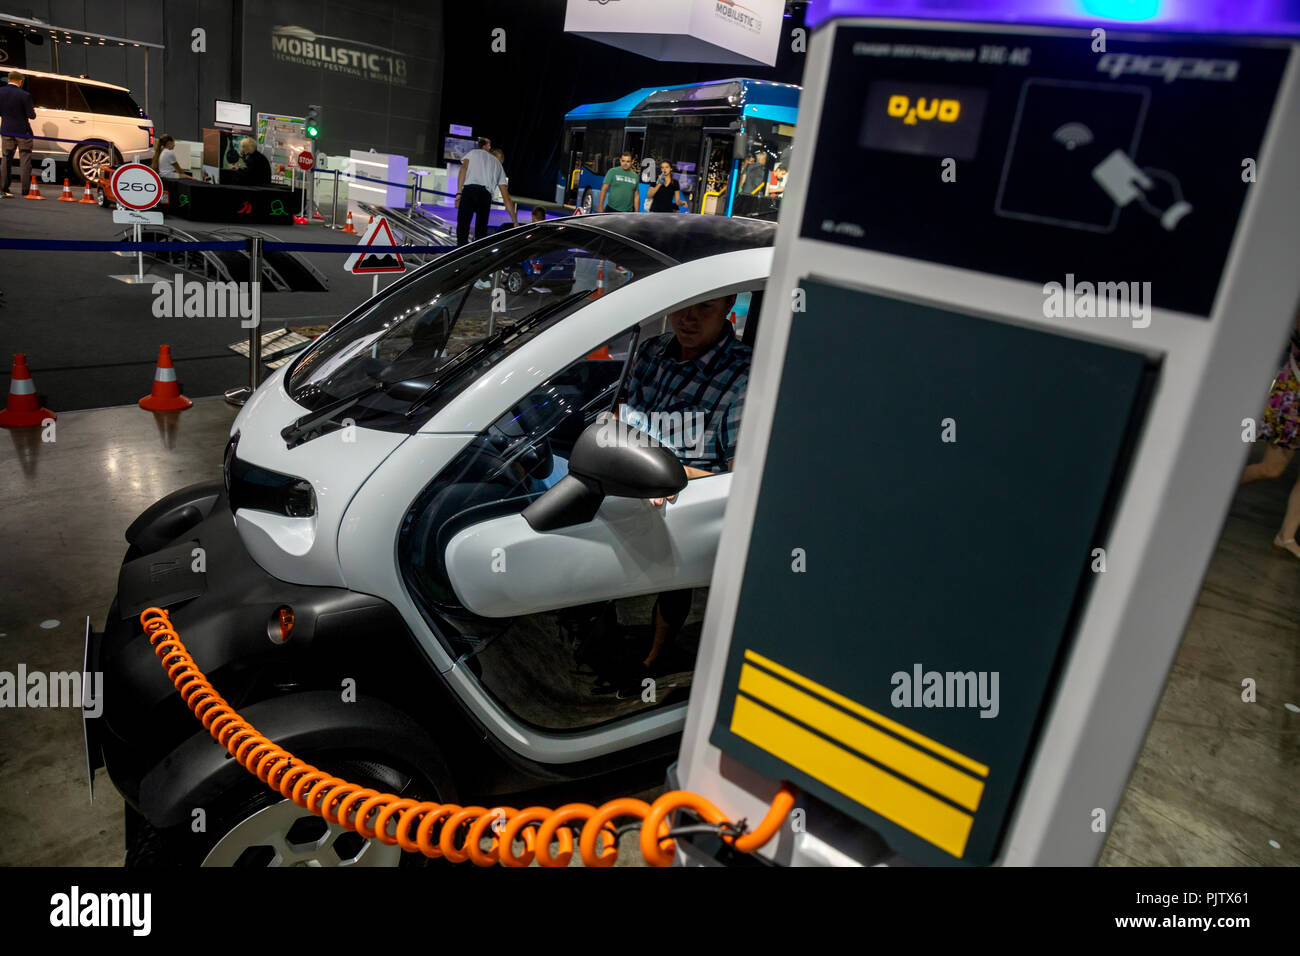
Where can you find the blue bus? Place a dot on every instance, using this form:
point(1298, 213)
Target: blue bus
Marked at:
point(729, 143)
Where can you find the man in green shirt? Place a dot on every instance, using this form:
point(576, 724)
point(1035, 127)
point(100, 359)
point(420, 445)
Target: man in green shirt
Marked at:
point(620, 190)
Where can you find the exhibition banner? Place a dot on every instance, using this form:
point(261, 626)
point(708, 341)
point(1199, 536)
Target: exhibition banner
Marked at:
point(375, 69)
point(699, 31)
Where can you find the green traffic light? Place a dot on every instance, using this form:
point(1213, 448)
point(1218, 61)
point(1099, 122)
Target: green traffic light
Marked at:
point(313, 131)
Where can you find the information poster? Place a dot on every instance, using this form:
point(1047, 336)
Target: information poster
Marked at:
point(281, 139)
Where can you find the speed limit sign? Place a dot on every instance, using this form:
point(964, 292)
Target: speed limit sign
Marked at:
point(136, 186)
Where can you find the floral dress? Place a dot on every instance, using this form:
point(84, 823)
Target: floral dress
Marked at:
point(1282, 414)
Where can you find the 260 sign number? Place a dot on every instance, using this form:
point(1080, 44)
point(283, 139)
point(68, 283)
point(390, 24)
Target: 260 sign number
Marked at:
point(136, 186)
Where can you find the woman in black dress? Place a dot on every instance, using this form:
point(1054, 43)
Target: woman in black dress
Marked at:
point(665, 195)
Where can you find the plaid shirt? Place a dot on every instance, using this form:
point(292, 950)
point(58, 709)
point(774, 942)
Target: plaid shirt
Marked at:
point(694, 407)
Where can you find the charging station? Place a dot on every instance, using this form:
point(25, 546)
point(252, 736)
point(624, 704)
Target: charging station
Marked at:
point(1029, 281)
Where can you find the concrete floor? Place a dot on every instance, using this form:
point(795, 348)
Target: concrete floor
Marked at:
point(92, 341)
point(1215, 784)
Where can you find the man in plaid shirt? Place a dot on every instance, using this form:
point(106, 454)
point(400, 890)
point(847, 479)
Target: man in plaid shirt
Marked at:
point(687, 389)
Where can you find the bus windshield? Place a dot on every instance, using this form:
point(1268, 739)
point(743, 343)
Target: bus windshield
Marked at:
point(760, 180)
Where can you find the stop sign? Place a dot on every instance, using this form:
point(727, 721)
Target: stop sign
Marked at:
point(306, 160)
point(136, 186)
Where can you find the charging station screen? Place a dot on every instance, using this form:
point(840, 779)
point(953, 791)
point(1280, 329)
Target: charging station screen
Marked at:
point(1040, 156)
point(923, 118)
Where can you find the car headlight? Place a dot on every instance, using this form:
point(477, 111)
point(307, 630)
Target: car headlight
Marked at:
point(300, 500)
point(260, 489)
point(228, 460)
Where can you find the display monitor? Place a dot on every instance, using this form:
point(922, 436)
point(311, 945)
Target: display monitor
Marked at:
point(454, 147)
point(234, 115)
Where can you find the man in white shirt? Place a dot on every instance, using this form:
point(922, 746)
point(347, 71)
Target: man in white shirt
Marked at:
point(480, 173)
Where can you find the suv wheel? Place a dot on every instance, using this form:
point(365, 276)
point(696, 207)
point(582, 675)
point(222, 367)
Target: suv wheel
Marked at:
point(89, 157)
point(515, 281)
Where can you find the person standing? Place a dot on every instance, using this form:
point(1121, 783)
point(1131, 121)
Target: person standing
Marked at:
point(500, 156)
point(16, 112)
point(480, 172)
point(665, 194)
point(754, 175)
point(1281, 427)
point(621, 189)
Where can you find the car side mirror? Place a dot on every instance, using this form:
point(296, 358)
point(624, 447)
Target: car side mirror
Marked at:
point(609, 458)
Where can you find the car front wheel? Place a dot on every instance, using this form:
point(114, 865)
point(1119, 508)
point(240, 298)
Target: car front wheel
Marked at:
point(255, 827)
point(87, 158)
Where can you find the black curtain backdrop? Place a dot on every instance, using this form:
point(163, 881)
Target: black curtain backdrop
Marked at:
point(392, 107)
point(13, 49)
point(519, 97)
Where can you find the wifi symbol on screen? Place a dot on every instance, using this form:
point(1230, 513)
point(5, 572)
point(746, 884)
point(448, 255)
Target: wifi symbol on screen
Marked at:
point(1073, 134)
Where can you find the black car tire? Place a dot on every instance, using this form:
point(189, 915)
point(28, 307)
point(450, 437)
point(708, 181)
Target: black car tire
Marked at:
point(89, 155)
point(148, 846)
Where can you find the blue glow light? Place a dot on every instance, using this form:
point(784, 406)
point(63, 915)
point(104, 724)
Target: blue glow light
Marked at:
point(1250, 17)
point(1127, 10)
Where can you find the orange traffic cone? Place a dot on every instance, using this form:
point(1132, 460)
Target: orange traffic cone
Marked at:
point(33, 192)
point(24, 408)
point(600, 355)
point(600, 280)
point(67, 193)
point(85, 194)
point(347, 227)
point(166, 395)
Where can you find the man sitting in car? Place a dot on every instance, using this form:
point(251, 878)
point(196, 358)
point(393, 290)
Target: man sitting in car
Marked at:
point(687, 389)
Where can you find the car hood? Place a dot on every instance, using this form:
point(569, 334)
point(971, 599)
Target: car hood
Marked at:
point(337, 464)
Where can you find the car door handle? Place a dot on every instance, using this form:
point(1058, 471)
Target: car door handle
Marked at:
point(74, 120)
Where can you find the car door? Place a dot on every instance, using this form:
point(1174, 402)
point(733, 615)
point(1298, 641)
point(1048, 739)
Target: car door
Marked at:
point(50, 97)
point(632, 547)
point(551, 626)
point(111, 115)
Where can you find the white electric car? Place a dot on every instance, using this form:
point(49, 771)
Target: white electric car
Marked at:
point(423, 568)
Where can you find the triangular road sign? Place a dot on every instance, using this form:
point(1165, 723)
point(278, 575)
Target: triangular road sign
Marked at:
point(363, 262)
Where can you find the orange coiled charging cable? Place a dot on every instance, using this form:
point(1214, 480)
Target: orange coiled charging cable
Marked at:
point(432, 828)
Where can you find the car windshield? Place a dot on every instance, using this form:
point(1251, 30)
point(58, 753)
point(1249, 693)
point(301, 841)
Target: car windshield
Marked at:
point(437, 331)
